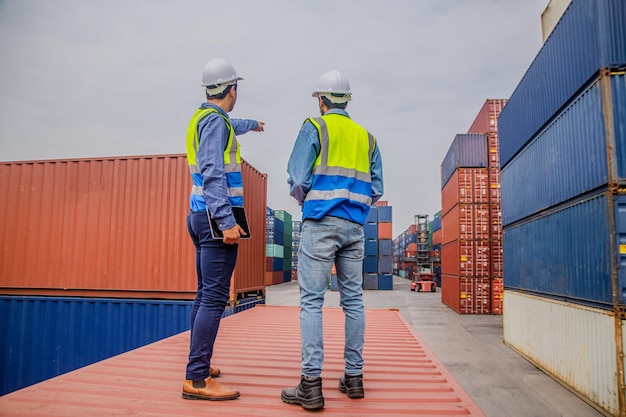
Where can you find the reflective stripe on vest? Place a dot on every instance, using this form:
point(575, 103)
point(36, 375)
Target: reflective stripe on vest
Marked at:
point(232, 162)
point(341, 161)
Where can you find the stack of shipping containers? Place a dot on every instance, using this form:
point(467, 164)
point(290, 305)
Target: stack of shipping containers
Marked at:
point(563, 157)
point(296, 233)
point(96, 259)
point(486, 123)
point(405, 253)
point(378, 261)
point(465, 271)
point(274, 248)
point(435, 242)
point(287, 242)
point(278, 249)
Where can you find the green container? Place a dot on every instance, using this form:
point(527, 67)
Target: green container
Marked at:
point(273, 250)
point(285, 217)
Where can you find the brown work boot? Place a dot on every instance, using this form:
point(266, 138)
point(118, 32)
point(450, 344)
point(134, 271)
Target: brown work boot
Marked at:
point(208, 389)
point(214, 372)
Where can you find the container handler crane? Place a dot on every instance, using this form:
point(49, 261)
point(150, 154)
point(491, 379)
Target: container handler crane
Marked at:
point(423, 278)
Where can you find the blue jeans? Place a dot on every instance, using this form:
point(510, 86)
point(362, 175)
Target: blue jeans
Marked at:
point(323, 242)
point(215, 262)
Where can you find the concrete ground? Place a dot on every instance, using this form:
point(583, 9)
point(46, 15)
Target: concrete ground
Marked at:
point(500, 381)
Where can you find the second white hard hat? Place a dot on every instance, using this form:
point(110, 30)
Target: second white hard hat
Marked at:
point(335, 86)
point(217, 75)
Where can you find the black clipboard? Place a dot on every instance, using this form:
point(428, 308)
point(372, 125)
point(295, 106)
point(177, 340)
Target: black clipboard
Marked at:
point(240, 217)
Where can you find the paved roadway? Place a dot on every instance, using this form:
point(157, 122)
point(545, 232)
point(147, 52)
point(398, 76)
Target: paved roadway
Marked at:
point(500, 381)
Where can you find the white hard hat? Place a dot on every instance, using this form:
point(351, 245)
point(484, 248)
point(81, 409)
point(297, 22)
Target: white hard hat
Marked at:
point(334, 86)
point(217, 75)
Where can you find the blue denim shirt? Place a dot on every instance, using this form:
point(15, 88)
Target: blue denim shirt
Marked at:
point(305, 152)
point(213, 137)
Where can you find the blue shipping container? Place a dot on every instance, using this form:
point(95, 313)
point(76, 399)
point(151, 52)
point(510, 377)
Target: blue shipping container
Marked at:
point(436, 224)
point(385, 282)
point(384, 214)
point(372, 215)
point(370, 264)
point(370, 281)
point(569, 156)
point(570, 253)
point(43, 337)
point(385, 264)
point(467, 151)
point(371, 247)
point(589, 36)
point(385, 247)
point(370, 230)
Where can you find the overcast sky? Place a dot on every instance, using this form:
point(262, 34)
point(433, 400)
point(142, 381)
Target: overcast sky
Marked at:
point(86, 78)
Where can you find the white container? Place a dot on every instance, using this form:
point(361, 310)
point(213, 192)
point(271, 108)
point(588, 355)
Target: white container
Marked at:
point(551, 16)
point(576, 345)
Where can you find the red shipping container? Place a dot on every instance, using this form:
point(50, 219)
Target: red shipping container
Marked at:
point(466, 222)
point(450, 291)
point(475, 296)
point(438, 237)
point(486, 120)
point(113, 227)
point(382, 203)
point(496, 222)
point(273, 277)
point(466, 295)
point(384, 231)
point(468, 258)
point(466, 186)
point(497, 296)
point(496, 259)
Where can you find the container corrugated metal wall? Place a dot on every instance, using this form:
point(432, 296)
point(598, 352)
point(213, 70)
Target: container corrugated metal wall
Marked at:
point(112, 227)
point(468, 151)
point(43, 337)
point(590, 35)
point(566, 253)
point(573, 343)
point(487, 118)
point(569, 157)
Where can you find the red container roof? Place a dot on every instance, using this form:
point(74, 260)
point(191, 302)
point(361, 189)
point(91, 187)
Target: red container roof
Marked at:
point(258, 351)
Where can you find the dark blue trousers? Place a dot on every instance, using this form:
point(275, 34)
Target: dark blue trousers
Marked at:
point(215, 262)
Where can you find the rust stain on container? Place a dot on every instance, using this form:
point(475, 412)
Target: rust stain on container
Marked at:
point(115, 225)
point(402, 376)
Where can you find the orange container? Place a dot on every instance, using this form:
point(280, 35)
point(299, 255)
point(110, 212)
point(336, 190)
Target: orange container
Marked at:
point(112, 227)
point(465, 186)
point(438, 237)
point(384, 231)
point(466, 295)
point(486, 120)
point(466, 258)
point(450, 291)
point(466, 222)
point(496, 259)
point(497, 294)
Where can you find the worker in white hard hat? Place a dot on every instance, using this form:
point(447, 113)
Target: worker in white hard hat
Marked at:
point(335, 174)
point(217, 190)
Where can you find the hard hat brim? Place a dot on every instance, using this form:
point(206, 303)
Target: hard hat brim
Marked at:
point(333, 98)
point(227, 82)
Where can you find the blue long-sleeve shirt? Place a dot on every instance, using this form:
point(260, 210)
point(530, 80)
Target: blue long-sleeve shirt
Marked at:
point(305, 152)
point(213, 138)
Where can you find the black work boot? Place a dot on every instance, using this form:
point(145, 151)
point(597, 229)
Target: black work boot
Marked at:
point(352, 385)
point(308, 394)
